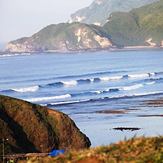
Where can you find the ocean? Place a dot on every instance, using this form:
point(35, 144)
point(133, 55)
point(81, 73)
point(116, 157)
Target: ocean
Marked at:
point(100, 91)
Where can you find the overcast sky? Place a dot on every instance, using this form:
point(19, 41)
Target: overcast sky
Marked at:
point(19, 18)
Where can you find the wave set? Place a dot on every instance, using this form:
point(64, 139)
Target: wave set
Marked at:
point(104, 99)
point(72, 83)
point(89, 93)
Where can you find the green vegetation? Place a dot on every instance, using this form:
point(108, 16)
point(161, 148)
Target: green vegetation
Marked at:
point(137, 26)
point(140, 150)
point(100, 10)
point(61, 37)
point(32, 128)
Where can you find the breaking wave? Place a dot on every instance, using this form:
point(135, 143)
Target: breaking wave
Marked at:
point(113, 89)
point(133, 87)
point(105, 98)
point(26, 89)
point(22, 90)
point(72, 83)
point(102, 79)
point(41, 99)
point(14, 54)
point(89, 93)
point(145, 75)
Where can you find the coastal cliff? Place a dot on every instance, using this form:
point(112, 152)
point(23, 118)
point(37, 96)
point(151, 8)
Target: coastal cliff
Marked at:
point(32, 128)
point(62, 37)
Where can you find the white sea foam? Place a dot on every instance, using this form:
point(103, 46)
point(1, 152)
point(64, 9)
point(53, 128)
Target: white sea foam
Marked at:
point(39, 99)
point(68, 102)
point(133, 87)
point(14, 54)
point(148, 93)
point(145, 75)
point(136, 95)
point(70, 83)
point(150, 83)
point(152, 74)
point(97, 92)
point(26, 89)
point(92, 80)
point(111, 78)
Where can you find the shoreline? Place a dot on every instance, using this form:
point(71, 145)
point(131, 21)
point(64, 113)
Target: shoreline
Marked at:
point(128, 48)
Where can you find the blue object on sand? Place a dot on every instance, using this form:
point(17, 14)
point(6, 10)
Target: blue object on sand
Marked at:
point(56, 152)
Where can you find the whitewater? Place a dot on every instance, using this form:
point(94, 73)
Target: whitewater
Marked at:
point(81, 85)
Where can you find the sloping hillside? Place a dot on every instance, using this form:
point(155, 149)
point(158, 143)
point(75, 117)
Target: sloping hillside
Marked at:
point(142, 26)
point(32, 128)
point(63, 37)
point(99, 11)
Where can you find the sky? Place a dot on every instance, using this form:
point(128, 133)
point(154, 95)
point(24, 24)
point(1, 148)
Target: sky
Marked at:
point(20, 18)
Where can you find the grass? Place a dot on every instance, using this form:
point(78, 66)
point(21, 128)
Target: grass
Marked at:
point(139, 150)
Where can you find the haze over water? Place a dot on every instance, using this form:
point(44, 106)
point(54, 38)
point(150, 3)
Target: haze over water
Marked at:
point(82, 85)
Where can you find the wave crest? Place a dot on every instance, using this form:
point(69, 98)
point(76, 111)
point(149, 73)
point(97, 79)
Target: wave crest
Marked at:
point(26, 89)
point(133, 87)
point(105, 98)
point(39, 99)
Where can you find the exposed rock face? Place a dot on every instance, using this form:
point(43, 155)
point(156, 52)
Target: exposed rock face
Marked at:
point(32, 128)
point(162, 43)
point(100, 10)
point(150, 43)
point(19, 47)
point(63, 37)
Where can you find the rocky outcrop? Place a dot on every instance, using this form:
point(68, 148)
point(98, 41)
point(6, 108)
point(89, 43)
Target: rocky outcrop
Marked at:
point(32, 128)
point(162, 43)
point(63, 37)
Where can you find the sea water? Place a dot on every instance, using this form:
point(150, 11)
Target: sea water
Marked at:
point(83, 84)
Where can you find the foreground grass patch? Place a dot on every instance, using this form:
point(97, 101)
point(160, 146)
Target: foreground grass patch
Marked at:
point(139, 150)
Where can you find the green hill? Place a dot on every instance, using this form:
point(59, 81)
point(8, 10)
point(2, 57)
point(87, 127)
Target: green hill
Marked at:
point(63, 37)
point(32, 128)
point(139, 27)
point(142, 26)
point(99, 11)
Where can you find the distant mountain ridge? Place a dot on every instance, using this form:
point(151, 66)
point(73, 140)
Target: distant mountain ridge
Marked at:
point(99, 11)
point(139, 27)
